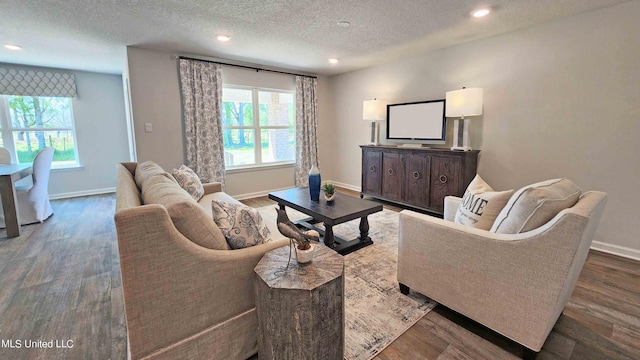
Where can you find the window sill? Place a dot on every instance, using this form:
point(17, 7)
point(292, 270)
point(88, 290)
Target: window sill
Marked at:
point(252, 168)
point(67, 168)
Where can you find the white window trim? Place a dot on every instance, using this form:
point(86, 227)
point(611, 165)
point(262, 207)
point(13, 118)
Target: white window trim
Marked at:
point(7, 134)
point(269, 166)
point(258, 165)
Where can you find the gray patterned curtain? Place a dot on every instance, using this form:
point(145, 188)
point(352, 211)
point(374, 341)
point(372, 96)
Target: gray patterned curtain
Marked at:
point(306, 128)
point(201, 88)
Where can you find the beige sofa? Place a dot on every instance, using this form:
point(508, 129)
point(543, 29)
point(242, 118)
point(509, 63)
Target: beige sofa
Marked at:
point(187, 296)
point(516, 285)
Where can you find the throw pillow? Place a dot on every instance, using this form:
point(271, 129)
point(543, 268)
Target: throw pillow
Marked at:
point(481, 205)
point(241, 225)
point(189, 181)
point(534, 205)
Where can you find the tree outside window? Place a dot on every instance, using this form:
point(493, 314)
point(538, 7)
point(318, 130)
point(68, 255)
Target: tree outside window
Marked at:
point(258, 116)
point(31, 123)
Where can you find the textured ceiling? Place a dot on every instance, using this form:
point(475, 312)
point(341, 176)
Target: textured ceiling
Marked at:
point(293, 34)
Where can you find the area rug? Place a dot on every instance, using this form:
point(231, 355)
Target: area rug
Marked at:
point(376, 313)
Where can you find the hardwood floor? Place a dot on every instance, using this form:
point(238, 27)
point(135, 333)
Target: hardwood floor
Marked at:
point(60, 280)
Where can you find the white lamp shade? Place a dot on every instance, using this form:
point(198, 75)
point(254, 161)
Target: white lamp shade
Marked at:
point(374, 110)
point(464, 102)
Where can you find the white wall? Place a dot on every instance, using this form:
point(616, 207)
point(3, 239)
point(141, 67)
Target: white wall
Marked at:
point(560, 100)
point(155, 98)
point(101, 133)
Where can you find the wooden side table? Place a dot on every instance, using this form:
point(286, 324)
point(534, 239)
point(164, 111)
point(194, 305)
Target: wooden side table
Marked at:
point(301, 309)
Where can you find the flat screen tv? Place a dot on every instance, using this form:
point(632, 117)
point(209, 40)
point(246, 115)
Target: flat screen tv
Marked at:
point(423, 121)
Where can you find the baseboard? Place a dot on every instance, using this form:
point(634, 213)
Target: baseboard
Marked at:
point(616, 250)
point(81, 193)
point(257, 194)
point(596, 245)
point(346, 186)
point(266, 192)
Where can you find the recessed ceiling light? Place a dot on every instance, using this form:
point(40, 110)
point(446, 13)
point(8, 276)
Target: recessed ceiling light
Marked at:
point(344, 24)
point(480, 12)
point(223, 38)
point(13, 46)
point(333, 60)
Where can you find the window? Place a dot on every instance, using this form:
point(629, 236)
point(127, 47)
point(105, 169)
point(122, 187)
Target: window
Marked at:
point(31, 123)
point(258, 116)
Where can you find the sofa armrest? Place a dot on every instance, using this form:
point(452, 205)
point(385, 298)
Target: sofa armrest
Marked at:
point(212, 187)
point(451, 205)
point(175, 288)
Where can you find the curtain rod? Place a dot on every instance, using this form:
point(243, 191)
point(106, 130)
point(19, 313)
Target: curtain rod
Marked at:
point(246, 67)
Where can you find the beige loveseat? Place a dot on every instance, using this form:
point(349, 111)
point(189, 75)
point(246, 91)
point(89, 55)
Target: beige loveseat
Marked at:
point(516, 284)
point(187, 296)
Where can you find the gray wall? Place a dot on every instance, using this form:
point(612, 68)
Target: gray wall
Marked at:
point(155, 98)
point(560, 100)
point(101, 134)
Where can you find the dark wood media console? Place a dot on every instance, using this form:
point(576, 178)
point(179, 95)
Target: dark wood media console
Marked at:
point(416, 177)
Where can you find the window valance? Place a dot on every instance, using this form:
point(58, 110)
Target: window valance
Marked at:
point(29, 82)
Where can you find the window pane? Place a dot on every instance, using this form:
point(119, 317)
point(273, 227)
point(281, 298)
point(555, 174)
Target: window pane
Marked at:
point(276, 109)
point(29, 143)
point(278, 145)
point(239, 147)
point(237, 107)
point(40, 112)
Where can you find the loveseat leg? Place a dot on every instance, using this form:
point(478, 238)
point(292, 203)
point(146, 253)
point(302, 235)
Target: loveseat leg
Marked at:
point(404, 289)
point(528, 354)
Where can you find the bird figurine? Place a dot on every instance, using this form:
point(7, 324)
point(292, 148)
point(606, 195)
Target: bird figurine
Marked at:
point(290, 230)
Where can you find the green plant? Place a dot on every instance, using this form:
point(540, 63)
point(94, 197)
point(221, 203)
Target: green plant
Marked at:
point(329, 188)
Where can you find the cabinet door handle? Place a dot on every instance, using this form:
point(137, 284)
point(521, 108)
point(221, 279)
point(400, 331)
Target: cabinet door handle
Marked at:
point(416, 175)
point(391, 171)
point(372, 168)
point(443, 179)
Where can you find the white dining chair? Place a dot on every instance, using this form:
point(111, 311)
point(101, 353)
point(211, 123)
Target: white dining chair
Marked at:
point(33, 201)
point(5, 156)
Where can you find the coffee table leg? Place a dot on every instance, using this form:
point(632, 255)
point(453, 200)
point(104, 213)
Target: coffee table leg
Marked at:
point(364, 228)
point(281, 206)
point(328, 235)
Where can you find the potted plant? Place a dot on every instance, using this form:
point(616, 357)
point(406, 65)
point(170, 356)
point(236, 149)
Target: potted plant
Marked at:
point(305, 250)
point(302, 239)
point(329, 191)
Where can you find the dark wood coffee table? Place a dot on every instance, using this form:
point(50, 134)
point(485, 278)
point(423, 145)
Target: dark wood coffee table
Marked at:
point(342, 209)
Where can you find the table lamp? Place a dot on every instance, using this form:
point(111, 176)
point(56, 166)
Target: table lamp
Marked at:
point(464, 102)
point(374, 111)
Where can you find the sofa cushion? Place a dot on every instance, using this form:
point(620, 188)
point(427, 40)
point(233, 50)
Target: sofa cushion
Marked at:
point(187, 216)
point(534, 205)
point(148, 169)
point(481, 205)
point(189, 180)
point(241, 225)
